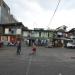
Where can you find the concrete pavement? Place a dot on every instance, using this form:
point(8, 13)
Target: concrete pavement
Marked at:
point(47, 61)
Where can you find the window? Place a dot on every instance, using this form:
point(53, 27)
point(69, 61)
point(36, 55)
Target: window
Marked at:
point(18, 31)
point(6, 31)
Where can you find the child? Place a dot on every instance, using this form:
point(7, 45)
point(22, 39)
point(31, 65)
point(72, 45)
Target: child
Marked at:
point(34, 49)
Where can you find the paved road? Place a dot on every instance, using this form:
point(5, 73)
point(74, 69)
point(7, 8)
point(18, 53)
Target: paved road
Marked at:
point(47, 61)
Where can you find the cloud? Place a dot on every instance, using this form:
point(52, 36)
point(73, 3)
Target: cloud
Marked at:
point(64, 17)
point(67, 4)
point(37, 13)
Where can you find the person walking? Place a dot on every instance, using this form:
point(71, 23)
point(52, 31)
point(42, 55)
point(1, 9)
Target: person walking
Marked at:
point(18, 47)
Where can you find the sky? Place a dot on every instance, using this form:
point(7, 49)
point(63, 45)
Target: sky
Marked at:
point(38, 13)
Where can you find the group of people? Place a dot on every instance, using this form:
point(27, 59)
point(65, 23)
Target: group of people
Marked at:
point(38, 42)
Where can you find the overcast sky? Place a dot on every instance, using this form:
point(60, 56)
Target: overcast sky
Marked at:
point(37, 13)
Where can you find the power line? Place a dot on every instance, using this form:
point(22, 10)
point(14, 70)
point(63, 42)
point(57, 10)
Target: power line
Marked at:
point(54, 12)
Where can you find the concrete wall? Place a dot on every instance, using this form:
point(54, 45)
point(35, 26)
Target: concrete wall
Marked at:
point(5, 16)
point(5, 13)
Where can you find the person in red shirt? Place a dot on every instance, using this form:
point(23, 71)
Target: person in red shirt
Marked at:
point(33, 49)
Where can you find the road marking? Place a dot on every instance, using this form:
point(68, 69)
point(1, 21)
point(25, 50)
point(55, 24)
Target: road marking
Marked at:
point(29, 65)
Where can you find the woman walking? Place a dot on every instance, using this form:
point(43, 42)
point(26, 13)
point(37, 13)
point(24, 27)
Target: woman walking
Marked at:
point(18, 47)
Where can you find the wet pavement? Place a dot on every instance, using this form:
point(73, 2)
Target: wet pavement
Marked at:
point(47, 61)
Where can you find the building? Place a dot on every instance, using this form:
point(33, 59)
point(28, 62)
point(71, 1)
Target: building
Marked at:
point(38, 34)
point(11, 32)
point(71, 33)
point(5, 15)
point(10, 28)
point(60, 36)
point(63, 28)
point(42, 34)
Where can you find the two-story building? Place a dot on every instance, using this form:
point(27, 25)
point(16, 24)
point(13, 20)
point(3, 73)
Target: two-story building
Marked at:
point(60, 36)
point(39, 34)
point(71, 34)
point(11, 32)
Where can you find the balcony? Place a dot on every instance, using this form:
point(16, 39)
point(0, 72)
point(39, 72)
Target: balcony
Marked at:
point(12, 31)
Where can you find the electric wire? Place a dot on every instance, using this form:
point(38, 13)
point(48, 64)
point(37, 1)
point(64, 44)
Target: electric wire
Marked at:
point(54, 13)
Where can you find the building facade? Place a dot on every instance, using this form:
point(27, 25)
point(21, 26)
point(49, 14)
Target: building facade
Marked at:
point(60, 36)
point(41, 36)
point(11, 32)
